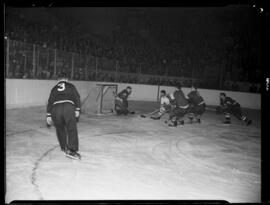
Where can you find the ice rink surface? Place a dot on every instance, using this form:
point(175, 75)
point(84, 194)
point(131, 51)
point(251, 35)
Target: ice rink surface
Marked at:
point(129, 157)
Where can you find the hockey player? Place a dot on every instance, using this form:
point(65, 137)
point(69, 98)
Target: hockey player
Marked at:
point(230, 106)
point(181, 107)
point(121, 102)
point(63, 111)
point(197, 105)
point(165, 105)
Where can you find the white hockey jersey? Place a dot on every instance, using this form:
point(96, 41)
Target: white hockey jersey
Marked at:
point(164, 100)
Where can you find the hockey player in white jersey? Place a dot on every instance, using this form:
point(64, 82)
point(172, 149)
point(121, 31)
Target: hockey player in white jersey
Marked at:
point(165, 105)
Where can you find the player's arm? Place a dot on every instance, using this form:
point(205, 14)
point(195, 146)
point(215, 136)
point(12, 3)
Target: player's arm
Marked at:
point(229, 101)
point(189, 97)
point(77, 100)
point(49, 108)
point(50, 102)
point(120, 96)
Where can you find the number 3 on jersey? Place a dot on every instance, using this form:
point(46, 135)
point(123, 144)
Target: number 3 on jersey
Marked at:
point(61, 87)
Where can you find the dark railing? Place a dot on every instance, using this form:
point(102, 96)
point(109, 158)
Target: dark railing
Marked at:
point(29, 61)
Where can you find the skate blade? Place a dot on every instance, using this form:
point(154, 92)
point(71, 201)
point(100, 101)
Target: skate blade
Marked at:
point(72, 157)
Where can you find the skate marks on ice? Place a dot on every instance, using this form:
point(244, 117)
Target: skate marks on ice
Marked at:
point(132, 158)
point(225, 158)
point(34, 172)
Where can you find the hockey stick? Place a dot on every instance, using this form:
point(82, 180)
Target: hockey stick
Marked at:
point(147, 114)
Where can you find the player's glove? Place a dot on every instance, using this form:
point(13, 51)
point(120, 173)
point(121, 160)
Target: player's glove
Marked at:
point(49, 121)
point(77, 115)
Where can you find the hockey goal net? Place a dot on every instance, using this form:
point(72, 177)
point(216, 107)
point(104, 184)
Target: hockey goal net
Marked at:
point(100, 99)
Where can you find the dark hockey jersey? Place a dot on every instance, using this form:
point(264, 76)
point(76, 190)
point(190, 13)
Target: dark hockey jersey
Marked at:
point(227, 102)
point(123, 95)
point(61, 93)
point(195, 98)
point(180, 99)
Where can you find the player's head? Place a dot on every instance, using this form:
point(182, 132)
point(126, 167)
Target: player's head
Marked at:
point(222, 95)
point(62, 77)
point(179, 86)
point(193, 87)
point(162, 93)
point(129, 89)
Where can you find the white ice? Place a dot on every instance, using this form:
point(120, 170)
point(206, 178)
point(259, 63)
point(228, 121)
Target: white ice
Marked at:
point(129, 157)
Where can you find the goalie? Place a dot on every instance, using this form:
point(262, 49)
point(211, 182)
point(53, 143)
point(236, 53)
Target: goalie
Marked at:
point(165, 105)
point(121, 103)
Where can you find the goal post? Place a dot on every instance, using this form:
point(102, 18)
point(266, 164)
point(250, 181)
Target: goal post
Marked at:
point(100, 99)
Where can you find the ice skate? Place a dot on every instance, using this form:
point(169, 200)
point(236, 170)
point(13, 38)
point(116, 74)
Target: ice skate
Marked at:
point(73, 154)
point(155, 117)
point(198, 121)
point(173, 124)
point(248, 122)
point(226, 122)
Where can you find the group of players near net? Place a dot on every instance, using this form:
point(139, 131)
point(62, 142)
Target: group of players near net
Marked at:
point(63, 110)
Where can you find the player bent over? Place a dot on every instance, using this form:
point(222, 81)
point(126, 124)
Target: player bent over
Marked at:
point(197, 105)
point(230, 106)
point(63, 111)
point(121, 103)
point(181, 107)
point(165, 105)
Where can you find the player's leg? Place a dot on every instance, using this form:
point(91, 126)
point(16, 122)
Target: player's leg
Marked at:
point(200, 109)
point(126, 110)
point(227, 114)
point(72, 132)
point(179, 113)
point(58, 120)
point(172, 114)
point(237, 112)
point(119, 107)
point(162, 111)
point(191, 112)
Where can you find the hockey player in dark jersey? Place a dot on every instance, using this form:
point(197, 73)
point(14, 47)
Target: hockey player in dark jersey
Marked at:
point(230, 106)
point(63, 111)
point(165, 105)
point(121, 102)
point(181, 107)
point(197, 105)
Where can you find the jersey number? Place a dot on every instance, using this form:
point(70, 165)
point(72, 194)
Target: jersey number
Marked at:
point(61, 87)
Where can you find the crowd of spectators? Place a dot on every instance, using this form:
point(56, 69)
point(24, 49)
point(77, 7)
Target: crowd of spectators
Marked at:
point(169, 52)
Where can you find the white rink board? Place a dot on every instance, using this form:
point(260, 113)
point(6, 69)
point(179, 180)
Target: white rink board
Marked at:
point(26, 93)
